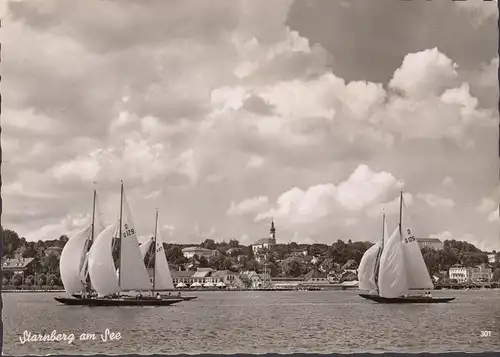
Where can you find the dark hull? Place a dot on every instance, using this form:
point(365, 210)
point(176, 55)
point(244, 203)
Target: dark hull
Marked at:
point(164, 297)
point(407, 300)
point(116, 302)
point(183, 298)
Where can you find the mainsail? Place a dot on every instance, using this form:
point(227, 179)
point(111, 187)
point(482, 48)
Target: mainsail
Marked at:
point(70, 263)
point(418, 275)
point(132, 274)
point(73, 261)
point(101, 266)
point(369, 264)
point(162, 279)
point(392, 279)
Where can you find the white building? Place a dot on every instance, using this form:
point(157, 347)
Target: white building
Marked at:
point(266, 243)
point(190, 252)
point(492, 258)
point(478, 274)
point(433, 243)
point(459, 273)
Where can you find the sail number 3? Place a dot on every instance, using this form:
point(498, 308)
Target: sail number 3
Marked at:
point(128, 232)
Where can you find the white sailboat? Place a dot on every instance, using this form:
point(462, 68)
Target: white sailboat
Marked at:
point(401, 268)
point(132, 274)
point(73, 262)
point(162, 277)
point(369, 264)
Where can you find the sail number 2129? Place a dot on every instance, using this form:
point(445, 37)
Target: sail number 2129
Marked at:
point(128, 232)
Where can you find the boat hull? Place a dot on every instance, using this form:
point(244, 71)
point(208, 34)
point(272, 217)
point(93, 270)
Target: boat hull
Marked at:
point(116, 302)
point(407, 300)
point(164, 297)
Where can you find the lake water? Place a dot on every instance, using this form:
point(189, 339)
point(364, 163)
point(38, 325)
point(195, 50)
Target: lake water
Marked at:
point(259, 322)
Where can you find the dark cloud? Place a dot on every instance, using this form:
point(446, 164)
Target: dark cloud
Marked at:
point(369, 39)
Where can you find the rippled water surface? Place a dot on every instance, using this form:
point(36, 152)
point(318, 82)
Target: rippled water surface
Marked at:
point(258, 322)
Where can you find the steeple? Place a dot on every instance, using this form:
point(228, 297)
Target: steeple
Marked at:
point(272, 231)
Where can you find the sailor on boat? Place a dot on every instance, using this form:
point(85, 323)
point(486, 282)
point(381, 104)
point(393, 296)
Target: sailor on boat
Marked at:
point(158, 296)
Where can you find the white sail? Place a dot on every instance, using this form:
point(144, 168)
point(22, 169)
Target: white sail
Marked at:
point(99, 226)
point(418, 275)
point(392, 279)
point(71, 261)
point(366, 270)
point(163, 278)
point(101, 266)
point(133, 273)
point(144, 247)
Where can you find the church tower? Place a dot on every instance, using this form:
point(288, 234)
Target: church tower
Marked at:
point(272, 232)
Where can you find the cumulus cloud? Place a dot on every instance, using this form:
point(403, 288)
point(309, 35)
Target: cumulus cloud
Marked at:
point(437, 201)
point(362, 189)
point(189, 110)
point(247, 206)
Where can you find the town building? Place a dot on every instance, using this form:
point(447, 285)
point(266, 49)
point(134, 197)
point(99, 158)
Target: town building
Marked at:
point(433, 243)
point(493, 258)
point(459, 273)
point(19, 265)
point(206, 276)
point(481, 274)
point(266, 243)
point(255, 280)
point(190, 252)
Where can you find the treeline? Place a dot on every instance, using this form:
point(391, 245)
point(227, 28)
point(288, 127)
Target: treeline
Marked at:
point(291, 259)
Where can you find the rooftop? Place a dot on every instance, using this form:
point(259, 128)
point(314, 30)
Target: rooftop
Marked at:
point(196, 249)
point(181, 274)
point(16, 263)
point(265, 241)
point(429, 240)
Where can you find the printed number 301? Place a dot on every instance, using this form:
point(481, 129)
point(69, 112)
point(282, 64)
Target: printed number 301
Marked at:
point(485, 333)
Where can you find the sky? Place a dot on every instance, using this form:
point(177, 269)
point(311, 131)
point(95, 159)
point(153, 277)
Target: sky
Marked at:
point(227, 114)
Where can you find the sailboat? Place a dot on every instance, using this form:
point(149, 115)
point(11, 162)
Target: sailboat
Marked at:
point(132, 273)
point(73, 264)
point(399, 269)
point(162, 278)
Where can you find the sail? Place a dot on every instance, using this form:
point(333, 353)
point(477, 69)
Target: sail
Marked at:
point(418, 275)
point(99, 223)
point(101, 266)
point(392, 279)
point(163, 278)
point(71, 261)
point(144, 247)
point(99, 226)
point(133, 273)
point(366, 270)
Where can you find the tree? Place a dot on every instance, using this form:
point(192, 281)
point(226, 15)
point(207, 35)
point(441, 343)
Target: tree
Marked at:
point(16, 280)
point(203, 262)
point(233, 243)
point(291, 267)
point(209, 244)
point(52, 280)
point(29, 280)
point(496, 275)
point(42, 279)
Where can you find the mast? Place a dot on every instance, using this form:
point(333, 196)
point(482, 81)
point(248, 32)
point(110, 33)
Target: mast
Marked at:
point(154, 243)
point(401, 214)
point(379, 254)
point(93, 218)
point(383, 228)
point(120, 234)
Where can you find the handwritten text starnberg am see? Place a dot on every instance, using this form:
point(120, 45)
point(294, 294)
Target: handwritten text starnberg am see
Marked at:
point(107, 336)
